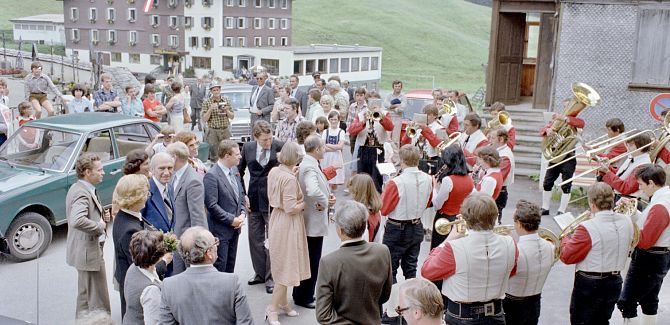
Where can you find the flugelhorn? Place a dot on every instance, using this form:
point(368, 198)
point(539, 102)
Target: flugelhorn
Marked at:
point(542, 232)
point(443, 226)
point(451, 139)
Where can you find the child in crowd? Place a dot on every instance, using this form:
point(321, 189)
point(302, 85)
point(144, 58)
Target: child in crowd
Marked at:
point(167, 135)
point(314, 100)
point(321, 124)
point(132, 105)
point(4, 99)
point(79, 104)
point(28, 134)
point(153, 110)
point(362, 190)
point(334, 139)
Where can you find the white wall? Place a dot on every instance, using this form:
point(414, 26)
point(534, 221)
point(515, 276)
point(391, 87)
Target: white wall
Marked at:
point(57, 35)
point(306, 80)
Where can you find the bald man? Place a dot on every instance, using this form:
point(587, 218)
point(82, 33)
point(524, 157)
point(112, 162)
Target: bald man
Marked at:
point(159, 208)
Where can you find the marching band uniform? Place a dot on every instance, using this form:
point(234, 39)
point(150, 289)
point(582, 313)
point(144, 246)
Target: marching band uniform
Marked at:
point(450, 121)
point(599, 247)
point(511, 133)
point(370, 138)
point(522, 300)
point(650, 260)
point(430, 161)
point(476, 270)
point(471, 143)
point(507, 168)
point(491, 183)
point(623, 181)
point(448, 199)
point(566, 170)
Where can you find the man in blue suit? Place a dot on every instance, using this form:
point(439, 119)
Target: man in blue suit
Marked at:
point(159, 208)
point(224, 199)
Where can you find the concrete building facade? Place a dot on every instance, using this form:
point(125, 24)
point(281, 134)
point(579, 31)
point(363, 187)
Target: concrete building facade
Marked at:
point(43, 29)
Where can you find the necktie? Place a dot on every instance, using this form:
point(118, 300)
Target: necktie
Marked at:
point(264, 155)
point(233, 181)
point(467, 139)
point(168, 206)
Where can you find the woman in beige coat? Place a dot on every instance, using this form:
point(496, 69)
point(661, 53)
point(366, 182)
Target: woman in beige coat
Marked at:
point(286, 234)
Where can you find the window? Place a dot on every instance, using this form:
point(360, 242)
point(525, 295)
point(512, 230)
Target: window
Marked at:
point(194, 41)
point(283, 23)
point(241, 41)
point(206, 3)
point(155, 20)
point(229, 3)
point(74, 14)
point(111, 36)
point(374, 63)
point(172, 3)
point(284, 4)
point(155, 39)
point(100, 143)
point(229, 23)
point(333, 65)
point(92, 14)
point(229, 42)
point(200, 62)
point(207, 22)
point(322, 65)
point(49, 28)
point(173, 41)
point(155, 3)
point(257, 42)
point(111, 15)
point(271, 23)
point(134, 58)
point(344, 65)
point(310, 66)
point(298, 67)
point(271, 41)
point(227, 63)
point(116, 57)
point(132, 15)
point(271, 3)
point(355, 64)
point(242, 3)
point(75, 35)
point(365, 63)
point(155, 59)
point(40, 27)
point(188, 3)
point(174, 22)
point(207, 42)
point(132, 37)
point(272, 65)
point(257, 23)
point(188, 21)
point(284, 41)
point(241, 22)
point(95, 36)
point(257, 3)
point(651, 66)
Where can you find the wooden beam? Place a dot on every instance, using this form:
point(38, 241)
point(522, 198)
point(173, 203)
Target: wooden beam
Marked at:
point(528, 6)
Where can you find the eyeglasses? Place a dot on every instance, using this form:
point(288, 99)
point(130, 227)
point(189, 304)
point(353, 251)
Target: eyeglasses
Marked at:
point(399, 310)
point(216, 243)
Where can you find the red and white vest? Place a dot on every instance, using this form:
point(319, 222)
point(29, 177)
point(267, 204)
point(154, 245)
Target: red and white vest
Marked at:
point(474, 140)
point(628, 168)
point(505, 151)
point(492, 175)
point(662, 196)
point(611, 236)
point(414, 189)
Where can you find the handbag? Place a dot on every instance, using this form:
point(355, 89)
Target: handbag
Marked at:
point(187, 116)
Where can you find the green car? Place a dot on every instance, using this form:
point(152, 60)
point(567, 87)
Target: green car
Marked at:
point(37, 169)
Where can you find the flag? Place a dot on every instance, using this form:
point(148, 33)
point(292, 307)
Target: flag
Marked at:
point(33, 53)
point(147, 5)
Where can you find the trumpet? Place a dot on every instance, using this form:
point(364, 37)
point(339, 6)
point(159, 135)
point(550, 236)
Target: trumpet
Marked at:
point(544, 233)
point(443, 226)
point(412, 130)
point(375, 116)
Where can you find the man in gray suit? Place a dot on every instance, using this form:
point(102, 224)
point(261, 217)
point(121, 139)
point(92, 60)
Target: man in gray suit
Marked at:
point(262, 99)
point(86, 235)
point(198, 93)
point(355, 265)
point(299, 94)
point(214, 297)
point(317, 200)
point(189, 193)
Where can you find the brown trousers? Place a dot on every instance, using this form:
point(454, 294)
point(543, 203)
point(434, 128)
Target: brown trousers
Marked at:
point(92, 291)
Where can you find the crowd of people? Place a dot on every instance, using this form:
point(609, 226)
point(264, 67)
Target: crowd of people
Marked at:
point(177, 220)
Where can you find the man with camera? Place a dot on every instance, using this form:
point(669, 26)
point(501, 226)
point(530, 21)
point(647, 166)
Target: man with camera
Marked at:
point(217, 112)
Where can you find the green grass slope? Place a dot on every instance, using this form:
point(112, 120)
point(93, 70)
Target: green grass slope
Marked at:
point(445, 39)
point(21, 8)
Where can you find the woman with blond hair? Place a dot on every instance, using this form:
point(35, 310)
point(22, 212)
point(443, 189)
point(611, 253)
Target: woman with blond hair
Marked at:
point(191, 141)
point(363, 190)
point(289, 259)
point(491, 181)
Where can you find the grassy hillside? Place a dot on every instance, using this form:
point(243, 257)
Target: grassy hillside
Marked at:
point(21, 8)
point(447, 39)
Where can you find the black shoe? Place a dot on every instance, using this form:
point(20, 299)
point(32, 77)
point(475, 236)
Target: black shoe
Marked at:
point(309, 305)
point(545, 212)
point(255, 280)
point(269, 289)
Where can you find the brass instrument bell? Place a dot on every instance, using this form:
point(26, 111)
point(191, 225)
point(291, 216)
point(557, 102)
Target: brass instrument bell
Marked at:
point(542, 232)
point(443, 226)
point(448, 107)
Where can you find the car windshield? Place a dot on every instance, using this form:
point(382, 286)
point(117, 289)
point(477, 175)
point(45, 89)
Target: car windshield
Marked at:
point(239, 99)
point(415, 105)
point(38, 147)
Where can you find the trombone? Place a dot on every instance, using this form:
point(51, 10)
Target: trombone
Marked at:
point(595, 144)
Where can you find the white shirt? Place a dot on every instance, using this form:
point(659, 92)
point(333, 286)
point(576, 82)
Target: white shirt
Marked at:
point(488, 186)
point(259, 151)
point(226, 171)
point(134, 214)
point(161, 187)
point(177, 176)
point(441, 195)
point(254, 99)
point(150, 299)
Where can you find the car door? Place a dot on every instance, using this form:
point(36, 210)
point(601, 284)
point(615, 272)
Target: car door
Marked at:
point(101, 143)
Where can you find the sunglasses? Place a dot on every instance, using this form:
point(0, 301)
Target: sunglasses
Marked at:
point(400, 310)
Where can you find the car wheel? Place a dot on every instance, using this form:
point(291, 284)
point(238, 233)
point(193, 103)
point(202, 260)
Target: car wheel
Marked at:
point(28, 236)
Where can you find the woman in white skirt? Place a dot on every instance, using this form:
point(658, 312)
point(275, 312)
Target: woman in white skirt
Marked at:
point(176, 107)
point(334, 138)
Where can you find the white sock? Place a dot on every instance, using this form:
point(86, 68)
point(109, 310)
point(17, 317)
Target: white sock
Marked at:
point(648, 320)
point(631, 321)
point(546, 199)
point(565, 199)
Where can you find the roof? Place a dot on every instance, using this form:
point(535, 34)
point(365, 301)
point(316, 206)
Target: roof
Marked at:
point(47, 18)
point(332, 48)
point(85, 122)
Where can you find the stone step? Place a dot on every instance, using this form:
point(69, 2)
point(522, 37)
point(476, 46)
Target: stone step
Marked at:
point(522, 119)
point(523, 149)
point(525, 172)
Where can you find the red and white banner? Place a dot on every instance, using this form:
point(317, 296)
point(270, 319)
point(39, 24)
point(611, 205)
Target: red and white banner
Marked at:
point(147, 5)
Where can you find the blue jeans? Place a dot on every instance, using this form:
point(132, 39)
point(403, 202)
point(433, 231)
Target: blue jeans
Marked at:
point(593, 298)
point(522, 310)
point(643, 282)
point(404, 243)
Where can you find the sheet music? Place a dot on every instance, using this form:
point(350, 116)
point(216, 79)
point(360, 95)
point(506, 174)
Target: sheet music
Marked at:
point(563, 220)
point(386, 168)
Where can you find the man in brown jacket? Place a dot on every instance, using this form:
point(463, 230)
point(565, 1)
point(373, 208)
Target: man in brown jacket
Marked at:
point(86, 234)
point(355, 280)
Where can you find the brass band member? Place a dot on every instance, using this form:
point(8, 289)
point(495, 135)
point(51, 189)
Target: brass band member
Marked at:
point(472, 138)
point(565, 170)
point(491, 182)
point(615, 128)
point(370, 137)
point(536, 257)
point(499, 139)
point(496, 108)
point(623, 180)
point(651, 258)
point(427, 141)
point(475, 268)
point(449, 121)
point(404, 200)
point(599, 247)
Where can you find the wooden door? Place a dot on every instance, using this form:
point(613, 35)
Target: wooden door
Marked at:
point(106, 58)
point(509, 58)
point(545, 56)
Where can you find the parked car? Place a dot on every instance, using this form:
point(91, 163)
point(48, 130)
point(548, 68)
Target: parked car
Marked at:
point(37, 169)
point(240, 97)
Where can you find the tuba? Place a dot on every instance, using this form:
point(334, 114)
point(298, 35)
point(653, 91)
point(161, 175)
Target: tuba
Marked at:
point(544, 233)
point(564, 136)
point(628, 207)
point(443, 226)
point(451, 139)
point(662, 140)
